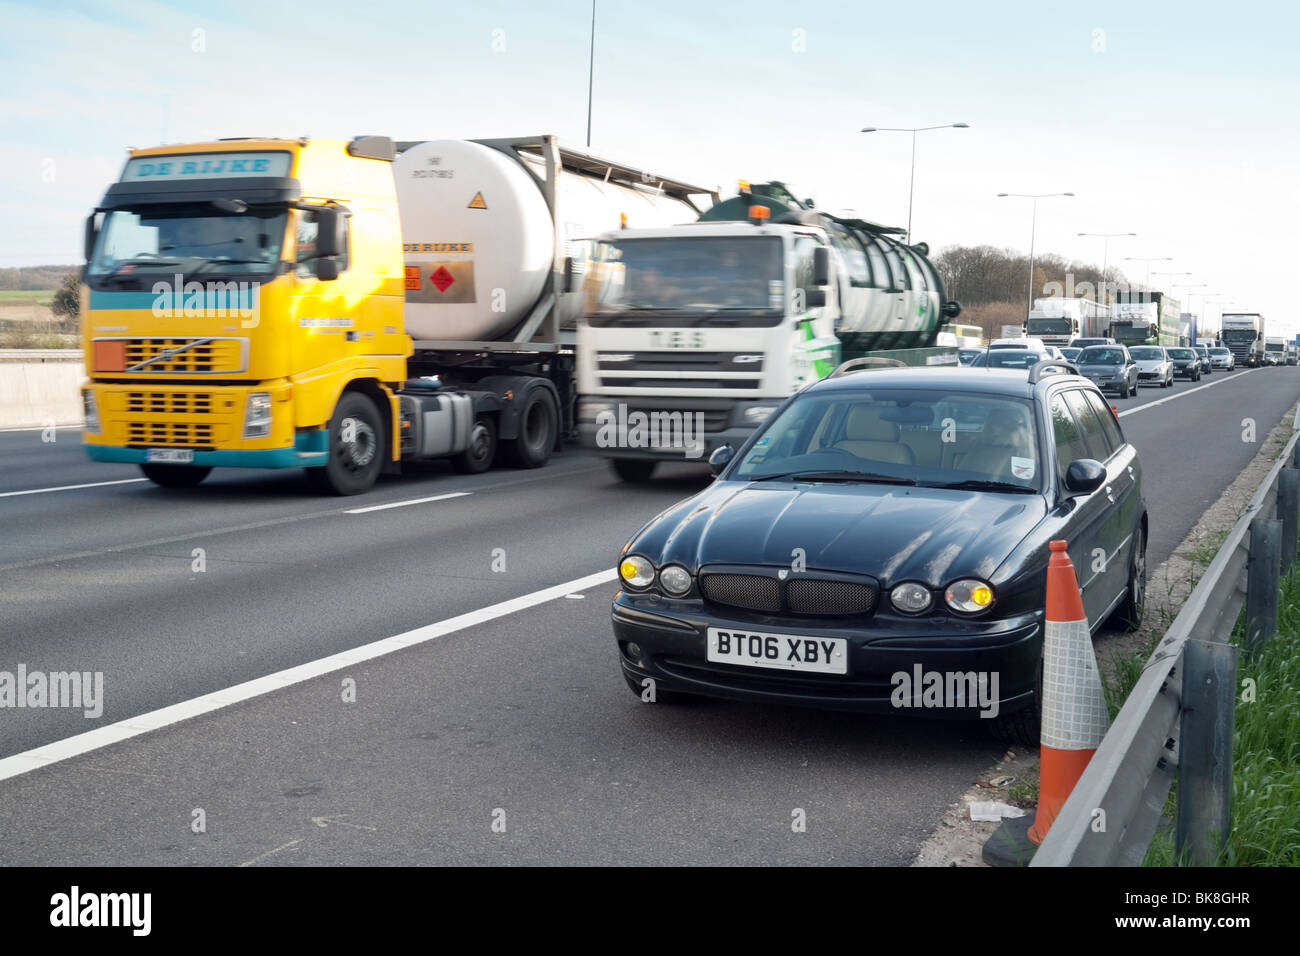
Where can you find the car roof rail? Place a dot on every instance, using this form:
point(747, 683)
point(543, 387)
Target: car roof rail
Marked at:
point(863, 364)
point(1040, 369)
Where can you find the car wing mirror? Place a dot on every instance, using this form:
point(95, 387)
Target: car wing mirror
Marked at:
point(720, 459)
point(1084, 476)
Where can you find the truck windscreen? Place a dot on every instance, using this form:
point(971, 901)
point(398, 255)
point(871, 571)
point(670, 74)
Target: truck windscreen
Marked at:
point(730, 280)
point(1050, 326)
point(187, 239)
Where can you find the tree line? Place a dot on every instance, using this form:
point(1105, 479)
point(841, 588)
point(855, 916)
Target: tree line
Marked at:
point(35, 278)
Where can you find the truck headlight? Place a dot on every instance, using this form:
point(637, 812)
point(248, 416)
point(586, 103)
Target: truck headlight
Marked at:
point(757, 414)
point(636, 571)
point(591, 411)
point(91, 410)
point(257, 415)
point(968, 595)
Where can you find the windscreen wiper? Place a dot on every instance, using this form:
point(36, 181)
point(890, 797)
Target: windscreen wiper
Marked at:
point(980, 484)
point(837, 476)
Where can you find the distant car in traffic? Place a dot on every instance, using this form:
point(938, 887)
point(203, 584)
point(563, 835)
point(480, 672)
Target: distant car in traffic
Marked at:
point(1071, 353)
point(1021, 343)
point(1083, 343)
point(1203, 353)
point(1110, 367)
point(881, 526)
point(1009, 358)
point(1187, 364)
point(1222, 358)
point(1154, 366)
point(966, 356)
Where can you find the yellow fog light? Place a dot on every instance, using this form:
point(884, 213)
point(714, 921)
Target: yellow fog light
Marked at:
point(968, 595)
point(636, 571)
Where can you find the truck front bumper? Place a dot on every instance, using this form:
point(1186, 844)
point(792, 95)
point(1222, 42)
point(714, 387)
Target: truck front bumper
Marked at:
point(667, 429)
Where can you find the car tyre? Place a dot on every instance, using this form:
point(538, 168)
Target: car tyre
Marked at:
point(1123, 389)
point(1128, 616)
point(176, 476)
point(1024, 726)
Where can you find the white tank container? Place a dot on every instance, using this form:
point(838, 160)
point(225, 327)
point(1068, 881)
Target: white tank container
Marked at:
point(478, 240)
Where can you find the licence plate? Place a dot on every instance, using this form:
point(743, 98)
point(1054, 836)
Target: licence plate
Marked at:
point(822, 655)
point(170, 456)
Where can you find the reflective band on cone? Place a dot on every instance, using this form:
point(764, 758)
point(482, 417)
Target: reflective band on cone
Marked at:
point(1074, 705)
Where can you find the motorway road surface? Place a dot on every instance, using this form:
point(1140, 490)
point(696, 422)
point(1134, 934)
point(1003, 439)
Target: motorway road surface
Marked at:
point(517, 721)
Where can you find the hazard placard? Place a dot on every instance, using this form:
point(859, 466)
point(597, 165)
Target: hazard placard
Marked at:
point(477, 202)
point(442, 278)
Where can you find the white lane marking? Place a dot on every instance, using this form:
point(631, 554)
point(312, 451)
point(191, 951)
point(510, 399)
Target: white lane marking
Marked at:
point(69, 747)
point(1161, 401)
point(95, 484)
point(413, 501)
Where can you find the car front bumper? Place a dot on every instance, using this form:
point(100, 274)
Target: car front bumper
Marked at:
point(671, 639)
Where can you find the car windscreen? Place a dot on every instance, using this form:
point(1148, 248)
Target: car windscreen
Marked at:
point(929, 437)
point(1101, 355)
point(1220, 352)
point(1181, 353)
point(1012, 358)
point(1071, 354)
point(1147, 355)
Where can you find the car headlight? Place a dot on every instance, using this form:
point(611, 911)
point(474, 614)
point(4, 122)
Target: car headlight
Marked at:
point(257, 415)
point(757, 414)
point(91, 410)
point(910, 597)
point(674, 579)
point(636, 571)
point(969, 595)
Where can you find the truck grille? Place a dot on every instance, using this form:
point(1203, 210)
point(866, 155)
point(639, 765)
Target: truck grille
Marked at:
point(153, 434)
point(210, 357)
point(680, 360)
point(608, 381)
point(169, 403)
point(715, 419)
point(810, 596)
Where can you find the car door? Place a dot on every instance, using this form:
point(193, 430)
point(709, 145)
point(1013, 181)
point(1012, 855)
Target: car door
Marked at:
point(1116, 533)
point(1085, 516)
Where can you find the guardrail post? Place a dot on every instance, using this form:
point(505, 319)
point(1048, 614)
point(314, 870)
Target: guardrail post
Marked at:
point(1205, 752)
point(1288, 504)
point(1262, 581)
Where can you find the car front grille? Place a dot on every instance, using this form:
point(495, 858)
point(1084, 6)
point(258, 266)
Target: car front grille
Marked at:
point(803, 595)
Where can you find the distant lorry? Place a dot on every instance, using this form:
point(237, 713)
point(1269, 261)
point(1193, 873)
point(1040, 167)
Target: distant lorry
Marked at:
point(1155, 312)
point(345, 307)
point(719, 321)
point(1242, 334)
point(1275, 350)
point(1059, 320)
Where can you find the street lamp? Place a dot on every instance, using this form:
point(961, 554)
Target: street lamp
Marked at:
point(1033, 225)
point(1105, 253)
point(1148, 262)
point(1170, 275)
point(912, 180)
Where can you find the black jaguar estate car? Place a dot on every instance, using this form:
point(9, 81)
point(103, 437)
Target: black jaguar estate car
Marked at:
point(885, 531)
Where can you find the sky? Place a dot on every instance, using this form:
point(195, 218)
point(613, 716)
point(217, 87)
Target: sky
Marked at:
point(1175, 121)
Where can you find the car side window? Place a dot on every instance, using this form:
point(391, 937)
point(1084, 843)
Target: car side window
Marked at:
point(1108, 422)
point(1094, 436)
point(1070, 446)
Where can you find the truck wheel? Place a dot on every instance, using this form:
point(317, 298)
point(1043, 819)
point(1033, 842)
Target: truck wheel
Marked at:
point(477, 458)
point(538, 422)
point(633, 470)
point(356, 448)
point(176, 476)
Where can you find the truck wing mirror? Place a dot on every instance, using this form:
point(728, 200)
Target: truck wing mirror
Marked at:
point(568, 273)
point(814, 298)
point(327, 270)
point(331, 232)
point(91, 234)
point(821, 266)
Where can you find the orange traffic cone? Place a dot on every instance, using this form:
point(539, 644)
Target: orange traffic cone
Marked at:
point(1074, 705)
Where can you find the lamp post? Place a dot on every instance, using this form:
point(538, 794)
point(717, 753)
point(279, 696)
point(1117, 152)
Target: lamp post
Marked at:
point(1170, 275)
point(1105, 253)
point(912, 179)
point(1033, 226)
point(1148, 262)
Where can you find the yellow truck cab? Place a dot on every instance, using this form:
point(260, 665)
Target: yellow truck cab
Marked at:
point(243, 306)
